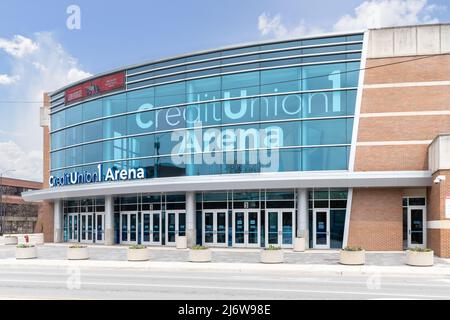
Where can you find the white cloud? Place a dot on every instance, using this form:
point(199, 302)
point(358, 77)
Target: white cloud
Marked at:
point(27, 165)
point(19, 46)
point(370, 14)
point(43, 67)
point(387, 13)
point(6, 80)
point(273, 27)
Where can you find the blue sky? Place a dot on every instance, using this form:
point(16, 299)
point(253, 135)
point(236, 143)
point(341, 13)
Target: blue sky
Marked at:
point(39, 53)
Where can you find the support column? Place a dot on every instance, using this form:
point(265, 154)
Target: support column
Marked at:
point(190, 219)
point(57, 221)
point(302, 215)
point(109, 221)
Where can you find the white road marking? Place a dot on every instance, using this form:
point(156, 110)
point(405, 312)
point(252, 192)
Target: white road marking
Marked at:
point(237, 289)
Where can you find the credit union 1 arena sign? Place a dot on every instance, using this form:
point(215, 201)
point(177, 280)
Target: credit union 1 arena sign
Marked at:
point(72, 178)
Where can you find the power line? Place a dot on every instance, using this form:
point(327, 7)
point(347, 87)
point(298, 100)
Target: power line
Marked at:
point(276, 82)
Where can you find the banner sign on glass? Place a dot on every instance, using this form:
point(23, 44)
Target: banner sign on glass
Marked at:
point(95, 87)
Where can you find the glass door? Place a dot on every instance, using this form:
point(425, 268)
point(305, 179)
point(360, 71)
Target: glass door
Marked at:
point(279, 228)
point(175, 226)
point(100, 227)
point(151, 227)
point(416, 227)
point(128, 227)
point(215, 226)
point(321, 228)
point(87, 227)
point(246, 226)
point(73, 227)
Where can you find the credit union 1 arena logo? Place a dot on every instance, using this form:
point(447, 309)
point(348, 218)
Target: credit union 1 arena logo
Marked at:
point(72, 178)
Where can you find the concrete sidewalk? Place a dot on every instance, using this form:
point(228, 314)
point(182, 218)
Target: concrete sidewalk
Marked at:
point(225, 259)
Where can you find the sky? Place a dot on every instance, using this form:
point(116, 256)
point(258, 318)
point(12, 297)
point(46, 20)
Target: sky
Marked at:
point(40, 51)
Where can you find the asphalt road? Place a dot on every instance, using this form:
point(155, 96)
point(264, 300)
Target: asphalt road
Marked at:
point(96, 283)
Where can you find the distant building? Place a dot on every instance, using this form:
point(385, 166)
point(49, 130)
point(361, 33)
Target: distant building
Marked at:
point(18, 216)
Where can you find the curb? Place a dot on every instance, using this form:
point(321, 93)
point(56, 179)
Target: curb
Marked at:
point(234, 267)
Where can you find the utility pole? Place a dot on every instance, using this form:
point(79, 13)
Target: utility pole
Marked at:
point(2, 213)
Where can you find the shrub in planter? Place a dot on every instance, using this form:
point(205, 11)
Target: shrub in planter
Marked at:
point(199, 254)
point(77, 252)
point(25, 251)
point(138, 253)
point(272, 254)
point(420, 257)
point(352, 256)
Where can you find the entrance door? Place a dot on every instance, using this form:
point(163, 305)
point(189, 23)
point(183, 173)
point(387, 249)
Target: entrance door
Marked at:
point(128, 227)
point(246, 226)
point(279, 227)
point(416, 227)
point(99, 227)
point(86, 227)
point(321, 228)
point(72, 227)
point(215, 228)
point(151, 227)
point(175, 226)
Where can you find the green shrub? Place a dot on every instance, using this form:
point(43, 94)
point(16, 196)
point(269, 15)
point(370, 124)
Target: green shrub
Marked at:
point(199, 248)
point(272, 247)
point(77, 246)
point(137, 246)
point(353, 248)
point(22, 246)
point(417, 249)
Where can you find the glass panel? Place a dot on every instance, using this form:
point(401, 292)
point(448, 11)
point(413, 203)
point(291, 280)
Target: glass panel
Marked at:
point(92, 110)
point(273, 228)
point(75, 227)
point(99, 230)
point(133, 227)
point(209, 227)
point(171, 227)
point(90, 226)
point(287, 227)
point(321, 228)
point(156, 227)
point(182, 224)
point(416, 201)
point(70, 227)
point(146, 227)
point(337, 223)
point(416, 226)
point(253, 227)
point(83, 227)
point(221, 218)
point(124, 235)
point(239, 227)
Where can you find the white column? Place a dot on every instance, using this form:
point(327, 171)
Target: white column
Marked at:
point(109, 220)
point(57, 221)
point(302, 215)
point(190, 219)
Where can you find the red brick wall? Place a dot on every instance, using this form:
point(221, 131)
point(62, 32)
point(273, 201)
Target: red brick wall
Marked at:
point(376, 221)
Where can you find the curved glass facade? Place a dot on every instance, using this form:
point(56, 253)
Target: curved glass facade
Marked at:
point(285, 106)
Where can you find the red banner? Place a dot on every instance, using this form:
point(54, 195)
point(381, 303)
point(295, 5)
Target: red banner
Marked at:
point(95, 87)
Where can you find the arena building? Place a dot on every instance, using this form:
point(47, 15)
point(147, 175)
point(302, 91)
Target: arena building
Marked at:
point(342, 139)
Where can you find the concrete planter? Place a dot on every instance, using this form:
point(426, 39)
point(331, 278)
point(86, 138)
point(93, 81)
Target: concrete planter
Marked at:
point(272, 256)
point(77, 253)
point(138, 254)
point(10, 240)
point(352, 257)
point(203, 255)
point(26, 253)
point(419, 259)
point(299, 244)
point(181, 242)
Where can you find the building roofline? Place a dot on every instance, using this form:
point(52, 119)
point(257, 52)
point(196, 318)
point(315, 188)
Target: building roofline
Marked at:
point(184, 55)
point(21, 183)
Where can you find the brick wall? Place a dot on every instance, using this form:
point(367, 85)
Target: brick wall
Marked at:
point(376, 221)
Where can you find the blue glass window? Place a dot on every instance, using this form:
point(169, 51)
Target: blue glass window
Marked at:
point(115, 127)
point(74, 135)
point(58, 139)
point(142, 122)
point(327, 76)
point(58, 120)
point(92, 131)
point(325, 158)
point(330, 131)
point(281, 80)
point(58, 159)
point(114, 104)
point(240, 85)
point(143, 99)
point(142, 146)
point(170, 94)
point(93, 152)
point(74, 115)
point(74, 156)
point(92, 110)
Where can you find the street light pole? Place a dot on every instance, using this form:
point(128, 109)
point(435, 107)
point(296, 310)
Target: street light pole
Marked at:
point(2, 216)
